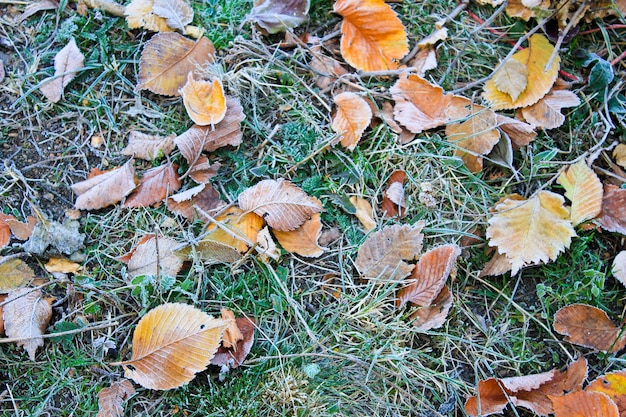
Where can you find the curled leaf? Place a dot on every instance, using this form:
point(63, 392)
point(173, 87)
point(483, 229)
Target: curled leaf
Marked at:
point(66, 63)
point(204, 101)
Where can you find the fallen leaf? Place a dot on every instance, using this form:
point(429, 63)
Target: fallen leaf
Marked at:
point(155, 186)
point(20, 230)
point(584, 189)
point(148, 147)
point(530, 231)
point(64, 237)
point(204, 101)
point(235, 355)
point(166, 60)
point(584, 403)
point(613, 214)
point(191, 203)
point(283, 205)
point(429, 276)
point(619, 267)
point(520, 133)
point(589, 326)
point(177, 13)
point(539, 82)
point(26, 316)
point(202, 171)
point(266, 244)
point(5, 230)
point(425, 60)
point(372, 36)
point(111, 399)
point(498, 264)
point(140, 14)
point(352, 117)
point(519, 8)
point(326, 69)
point(614, 385)
point(420, 105)
point(364, 212)
point(232, 335)
point(66, 63)
point(279, 15)
point(14, 273)
point(237, 229)
point(62, 265)
point(154, 255)
point(394, 203)
point(172, 343)
point(106, 188)
point(619, 153)
point(385, 253)
point(546, 113)
point(512, 78)
point(304, 239)
point(434, 315)
point(36, 7)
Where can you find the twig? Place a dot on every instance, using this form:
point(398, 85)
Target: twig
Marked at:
point(618, 59)
point(574, 20)
point(102, 325)
point(590, 31)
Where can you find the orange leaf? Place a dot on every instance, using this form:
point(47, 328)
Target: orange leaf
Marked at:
point(304, 239)
point(106, 188)
point(26, 316)
point(242, 229)
point(5, 230)
point(583, 404)
point(373, 38)
point(351, 119)
point(394, 203)
point(613, 214)
point(66, 63)
point(235, 355)
point(110, 399)
point(584, 189)
point(62, 265)
point(22, 231)
point(171, 344)
point(589, 326)
point(546, 113)
point(521, 133)
point(613, 385)
point(364, 212)
point(148, 147)
point(232, 334)
point(434, 315)
point(498, 264)
point(166, 60)
point(155, 186)
point(204, 101)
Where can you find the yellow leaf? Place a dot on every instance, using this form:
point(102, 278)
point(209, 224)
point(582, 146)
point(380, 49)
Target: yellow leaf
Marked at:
point(612, 384)
point(539, 81)
point(531, 231)
point(140, 14)
point(546, 113)
point(584, 403)
point(241, 229)
point(584, 189)
point(14, 273)
point(364, 212)
point(62, 265)
point(304, 239)
point(204, 101)
point(351, 119)
point(619, 153)
point(171, 344)
point(373, 38)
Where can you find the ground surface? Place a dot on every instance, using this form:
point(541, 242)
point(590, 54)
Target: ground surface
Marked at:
point(337, 348)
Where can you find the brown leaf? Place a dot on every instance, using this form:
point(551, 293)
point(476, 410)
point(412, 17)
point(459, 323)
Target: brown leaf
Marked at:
point(27, 315)
point(498, 264)
point(5, 230)
point(283, 205)
point(148, 147)
point(106, 188)
point(192, 202)
point(177, 13)
point(232, 335)
point(166, 60)
point(172, 343)
point(304, 239)
point(152, 253)
point(429, 276)
point(204, 101)
point(588, 326)
point(140, 14)
point(584, 189)
point(110, 400)
point(66, 63)
point(613, 214)
point(202, 171)
point(614, 385)
point(383, 255)
point(279, 15)
point(14, 273)
point(425, 60)
point(234, 356)
point(352, 117)
point(364, 212)
point(584, 403)
point(619, 267)
point(155, 186)
point(20, 230)
point(521, 133)
point(434, 315)
point(546, 113)
point(394, 203)
point(326, 69)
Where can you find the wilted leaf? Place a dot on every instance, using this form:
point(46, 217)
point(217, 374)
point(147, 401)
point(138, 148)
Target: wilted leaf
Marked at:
point(177, 13)
point(584, 403)
point(64, 237)
point(66, 63)
point(613, 214)
point(619, 153)
point(584, 189)
point(539, 81)
point(204, 101)
point(546, 113)
point(171, 344)
point(520, 133)
point(192, 202)
point(148, 147)
point(106, 188)
point(283, 205)
point(383, 255)
point(394, 203)
point(234, 356)
point(27, 315)
point(429, 276)
point(279, 15)
point(352, 117)
point(434, 315)
point(110, 400)
point(14, 273)
point(590, 327)
point(140, 14)
point(166, 60)
point(531, 231)
point(614, 385)
point(304, 239)
point(373, 38)
point(619, 267)
point(498, 264)
point(62, 265)
point(512, 78)
point(154, 255)
point(155, 186)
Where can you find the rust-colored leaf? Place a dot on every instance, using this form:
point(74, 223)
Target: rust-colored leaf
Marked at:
point(304, 239)
point(520, 133)
point(155, 186)
point(111, 399)
point(583, 404)
point(352, 117)
point(394, 203)
point(233, 356)
point(191, 203)
point(106, 188)
point(5, 230)
point(613, 214)
point(148, 147)
point(546, 113)
point(364, 212)
point(155, 255)
point(590, 327)
point(66, 63)
point(171, 344)
point(614, 385)
point(584, 189)
point(204, 101)
point(21, 230)
point(26, 316)
point(434, 315)
point(14, 273)
point(166, 60)
point(372, 36)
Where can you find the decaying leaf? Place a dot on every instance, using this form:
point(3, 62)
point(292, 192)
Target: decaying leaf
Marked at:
point(14, 273)
point(166, 60)
point(204, 101)
point(520, 133)
point(66, 63)
point(434, 315)
point(372, 36)
point(614, 385)
point(21, 230)
point(64, 237)
point(148, 147)
point(364, 212)
point(27, 315)
point(154, 255)
point(140, 14)
point(590, 327)
point(394, 203)
point(619, 267)
point(584, 189)
point(533, 59)
point(36, 7)
point(383, 255)
point(191, 203)
point(546, 113)
point(177, 13)
point(279, 15)
point(283, 205)
point(105, 188)
point(304, 239)
point(613, 214)
point(531, 231)
point(171, 344)
point(111, 400)
point(584, 403)
point(155, 186)
point(352, 117)
point(234, 355)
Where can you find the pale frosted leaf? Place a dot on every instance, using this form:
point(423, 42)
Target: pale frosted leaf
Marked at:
point(14, 273)
point(304, 239)
point(364, 212)
point(66, 63)
point(111, 399)
point(352, 117)
point(512, 78)
point(155, 253)
point(177, 13)
point(36, 7)
point(394, 203)
point(279, 15)
point(27, 315)
point(584, 189)
point(155, 186)
point(619, 267)
point(148, 147)
point(106, 188)
point(498, 264)
point(140, 14)
point(191, 203)
point(546, 113)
